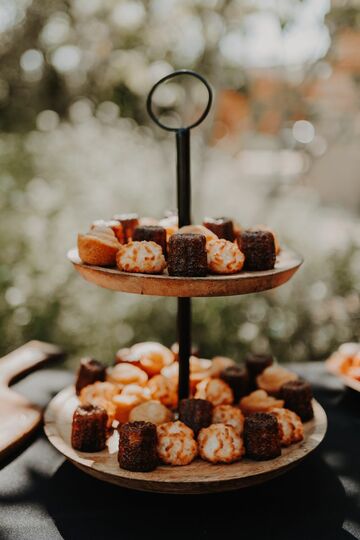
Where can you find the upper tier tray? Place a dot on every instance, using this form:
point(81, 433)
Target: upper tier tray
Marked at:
point(163, 285)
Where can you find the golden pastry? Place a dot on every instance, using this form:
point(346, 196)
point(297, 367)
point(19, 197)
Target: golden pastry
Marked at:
point(259, 401)
point(100, 394)
point(176, 444)
point(218, 364)
point(290, 426)
point(152, 356)
point(163, 390)
point(123, 374)
point(113, 224)
point(224, 257)
point(124, 403)
point(141, 392)
point(199, 229)
point(273, 377)
point(199, 370)
point(144, 257)
point(229, 415)
point(215, 390)
point(151, 411)
point(99, 246)
point(220, 443)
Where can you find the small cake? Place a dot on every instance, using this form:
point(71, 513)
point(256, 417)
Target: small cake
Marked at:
point(255, 364)
point(224, 257)
point(113, 224)
point(259, 401)
point(215, 390)
point(151, 233)
point(220, 443)
point(198, 229)
point(137, 446)
point(195, 413)
point(122, 374)
point(152, 356)
point(129, 223)
point(261, 436)
point(238, 380)
point(229, 415)
point(222, 227)
point(273, 377)
point(187, 255)
point(151, 411)
point(124, 404)
point(176, 444)
point(298, 398)
point(100, 394)
point(143, 257)
point(266, 228)
point(218, 364)
point(90, 371)
point(258, 248)
point(88, 432)
point(290, 426)
point(163, 390)
point(98, 247)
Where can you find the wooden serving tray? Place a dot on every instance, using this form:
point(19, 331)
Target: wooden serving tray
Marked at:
point(287, 263)
point(198, 477)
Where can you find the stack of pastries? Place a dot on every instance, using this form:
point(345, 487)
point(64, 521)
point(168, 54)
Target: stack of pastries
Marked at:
point(149, 246)
point(233, 411)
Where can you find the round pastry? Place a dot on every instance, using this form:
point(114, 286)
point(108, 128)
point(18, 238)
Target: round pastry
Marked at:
point(290, 426)
point(129, 223)
point(222, 227)
point(141, 392)
point(122, 374)
point(176, 444)
point(258, 246)
point(124, 404)
point(215, 390)
point(273, 377)
point(298, 398)
point(259, 401)
point(218, 364)
point(126, 355)
point(90, 371)
point(255, 364)
point(187, 255)
point(238, 380)
point(137, 446)
point(229, 415)
point(98, 247)
point(261, 436)
point(88, 433)
point(170, 224)
point(113, 224)
point(163, 390)
point(198, 229)
point(144, 257)
point(224, 257)
point(152, 356)
point(198, 371)
point(100, 394)
point(220, 443)
point(195, 413)
point(151, 411)
point(151, 233)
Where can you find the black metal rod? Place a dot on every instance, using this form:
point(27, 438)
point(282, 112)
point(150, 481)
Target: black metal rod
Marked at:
point(183, 176)
point(184, 338)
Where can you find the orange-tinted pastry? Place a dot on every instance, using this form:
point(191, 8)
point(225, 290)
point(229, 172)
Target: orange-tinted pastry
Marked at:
point(100, 394)
point(122, 374)
point(151, 411)
point(176, 444)
point(198, 229)
point(98, 247)
point(259, 401)
point(152, 356)
point(163, 390)
point(273, 377)
point(220, 443)
point(141, 392)
point(199, 370)
point(124, 403)
point(144, 257)
point(290, 426)
point(229, 415)
point(215, 390)
point(113, 224)
point(224, 257)
point(219, 363)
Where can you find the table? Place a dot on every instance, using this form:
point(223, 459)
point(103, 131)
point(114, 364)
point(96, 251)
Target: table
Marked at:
point(42, 497)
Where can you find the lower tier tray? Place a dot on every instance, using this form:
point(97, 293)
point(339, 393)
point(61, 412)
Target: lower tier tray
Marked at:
point(286, 265)
point(198, 477)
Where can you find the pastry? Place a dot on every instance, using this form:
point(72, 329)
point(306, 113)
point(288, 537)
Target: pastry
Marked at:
point(273, 377)
point(141, 392)
point(144, 257)
point(113, 224)
point(266, 228)
point(175, 350)
point(126, 355)
point(152, 356)
point(298, 398)
point(222, 227)
point(215, 390)
point(199, 370)
point(261, 436)
point(122, 374)
point(90, 371)
point(229, 415)
point(195, 413)
point(259, 249)
point(151, 411)
point(218, 364)
point(100, 394)
point(163, 390)
point(198, 229)
point(137, 446)
point(259, 401)
point(129, 223)
point(124, 404)
point(238, 380)
point(99, 246)
point(88, 433)
point(255, 364)
point(224, 257)
point(151, 233)
point(290, 426)
point(220, 443)
point(187, 255)
point(170, 224)
point(176, 444)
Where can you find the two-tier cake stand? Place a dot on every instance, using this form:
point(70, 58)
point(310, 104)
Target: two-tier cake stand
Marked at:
point(199, 476)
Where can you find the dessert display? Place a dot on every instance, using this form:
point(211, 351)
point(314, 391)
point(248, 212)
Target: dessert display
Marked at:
point(298, 398)
point(220, 443)
point(258, 247)
point(90, 371)
point(195, 413)
point(187, 255)
point(137, 446)
point(261, 436)
point(89, 428)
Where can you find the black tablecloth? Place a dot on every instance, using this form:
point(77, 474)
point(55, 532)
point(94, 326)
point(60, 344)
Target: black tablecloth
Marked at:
point(44, 497)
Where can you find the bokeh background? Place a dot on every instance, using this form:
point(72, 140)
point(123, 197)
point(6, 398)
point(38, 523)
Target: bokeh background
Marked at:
point(281, 147)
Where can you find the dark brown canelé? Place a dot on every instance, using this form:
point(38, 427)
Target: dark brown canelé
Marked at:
point(298, 398)
point(255, 364)
point(195, 413)
point(137, 446)
point(258, 248)
point(222, 227)
point(90, 371)
point(88, 432)
point(238, 379)
point(187, 255)
point(129, 223)
point(151, 233)
point(261, 436)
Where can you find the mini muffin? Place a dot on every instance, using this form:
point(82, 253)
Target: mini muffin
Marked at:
point(224, 257)
point(100, 394)
point(220, 443)
point(88, 432)
point(175, 350)
point(151, 411)
point(99, 246)
point(273, 377)
point(170, 224)
point(259, 401)
point(129, 223)
point(122, 374)
point(176, 444)
point(259, 249)
point(143, 257)
point(238, 380)
point(216, 391)
point(198, 229)
point(163, 390)
point(290, 426)
point(222, 227)
point(151, 233)
point(255, 364)
point(261, 436)
point(218, 364)
point(298, 398)
point(113, 224)
point(187, 255)
point(90, 371)
point(137, 446)
point(195, 413)
point(229, 415)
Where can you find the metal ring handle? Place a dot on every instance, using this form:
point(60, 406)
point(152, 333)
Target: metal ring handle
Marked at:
point(171, 76)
